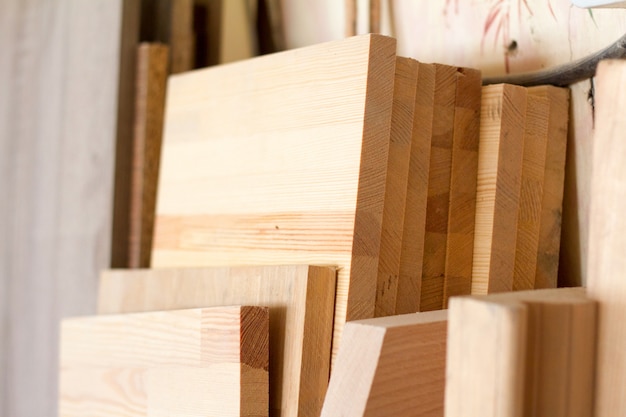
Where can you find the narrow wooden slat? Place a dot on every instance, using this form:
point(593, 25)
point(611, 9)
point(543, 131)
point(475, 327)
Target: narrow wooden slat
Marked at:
point(181, 36)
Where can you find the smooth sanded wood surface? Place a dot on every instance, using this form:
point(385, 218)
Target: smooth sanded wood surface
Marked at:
point(546, 274)
point(607, 240)
point(412, 252)
point(200, 362)
point(404, 97)
point(463, 177)
point(500, 155)
point(435, 238)
point(281, 159)
point(301, 301)
point(390, 366)
point(531, 192)
point(525, 353)
point(149, 108)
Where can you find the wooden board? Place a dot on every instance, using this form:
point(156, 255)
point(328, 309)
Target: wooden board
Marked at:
point(463, 177)
point(296, 175)
point(435, 239)
point(607, 240)
point(390, 366)
point(546, 273)
point(412, 252)
point(404, 98)
point(201, 362)
point(301, 301)
point(531, 192)
point(149, 107)
point(521, 353)
point(497, 197)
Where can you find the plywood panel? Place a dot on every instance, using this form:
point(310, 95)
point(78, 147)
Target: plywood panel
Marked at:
point(296, 174)
point(301, 301)
point(201, 362)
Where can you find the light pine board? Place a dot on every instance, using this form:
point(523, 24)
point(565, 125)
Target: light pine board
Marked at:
point(607, 240)
point(301, 301)
point(152, 62)
point(412, 252)
point(404, 98)
point(390, 366)
point(525, 353)
point(295, 174)
point(210, 362)
point(463, 177)
point(546, 273)
point(435, 238)
point(500, 154)
point(531, 192)
point(61, 81)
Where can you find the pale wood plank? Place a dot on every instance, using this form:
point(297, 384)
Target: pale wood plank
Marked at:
point(301, 301)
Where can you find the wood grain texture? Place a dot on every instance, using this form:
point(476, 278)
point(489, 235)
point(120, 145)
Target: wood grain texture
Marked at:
point(414, 226)
point(166, 363)
point(152, 62)
point(463, 178)
point(404, 98)
point(301, 301)
point(607, 239)
point(546, 273)
point(435, 238)
point(296, 175)
point(531, 192)
point(525, 353)
point(500, 154)
point(181, 36)
point(390, 366)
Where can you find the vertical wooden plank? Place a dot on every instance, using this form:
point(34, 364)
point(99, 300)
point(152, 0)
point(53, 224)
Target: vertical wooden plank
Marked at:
point(181, 39)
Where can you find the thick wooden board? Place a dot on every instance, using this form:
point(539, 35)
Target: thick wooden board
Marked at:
point(435, 238)
point(412, 252)
point(295, 175)
point(546, 274)
point(301, 301)
point(149, 107)
point(390, 366)
point(463, 177)
point(201, 362)
point(521, 353)
point(404, 98)
point(500, 155)
point(607, 240)
point(531, 192)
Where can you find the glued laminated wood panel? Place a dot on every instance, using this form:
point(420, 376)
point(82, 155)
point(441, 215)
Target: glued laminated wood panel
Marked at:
point(607, 240)
point(404, 98)
point(201, 362)
point(301, 301)
point(500, 154)
point(281, 159)
point(390, 366)
point(546, 274)
point(412, 252)
point(463, 177)
point(525, 353)
point(531, 192)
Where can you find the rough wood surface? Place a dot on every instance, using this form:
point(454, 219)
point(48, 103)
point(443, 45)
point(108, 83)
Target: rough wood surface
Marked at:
point(500, 154)
point(390, 366)
point(301, 301)
point(201, 362)
point(296, 175)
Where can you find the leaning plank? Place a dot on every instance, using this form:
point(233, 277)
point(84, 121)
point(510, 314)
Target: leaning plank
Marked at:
point(390, 366)
point(607, 240)
point(301, 313)
point(497, 196)
point(524, 353)
point(281, 159)
point(201, 362)
point(405, 89)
